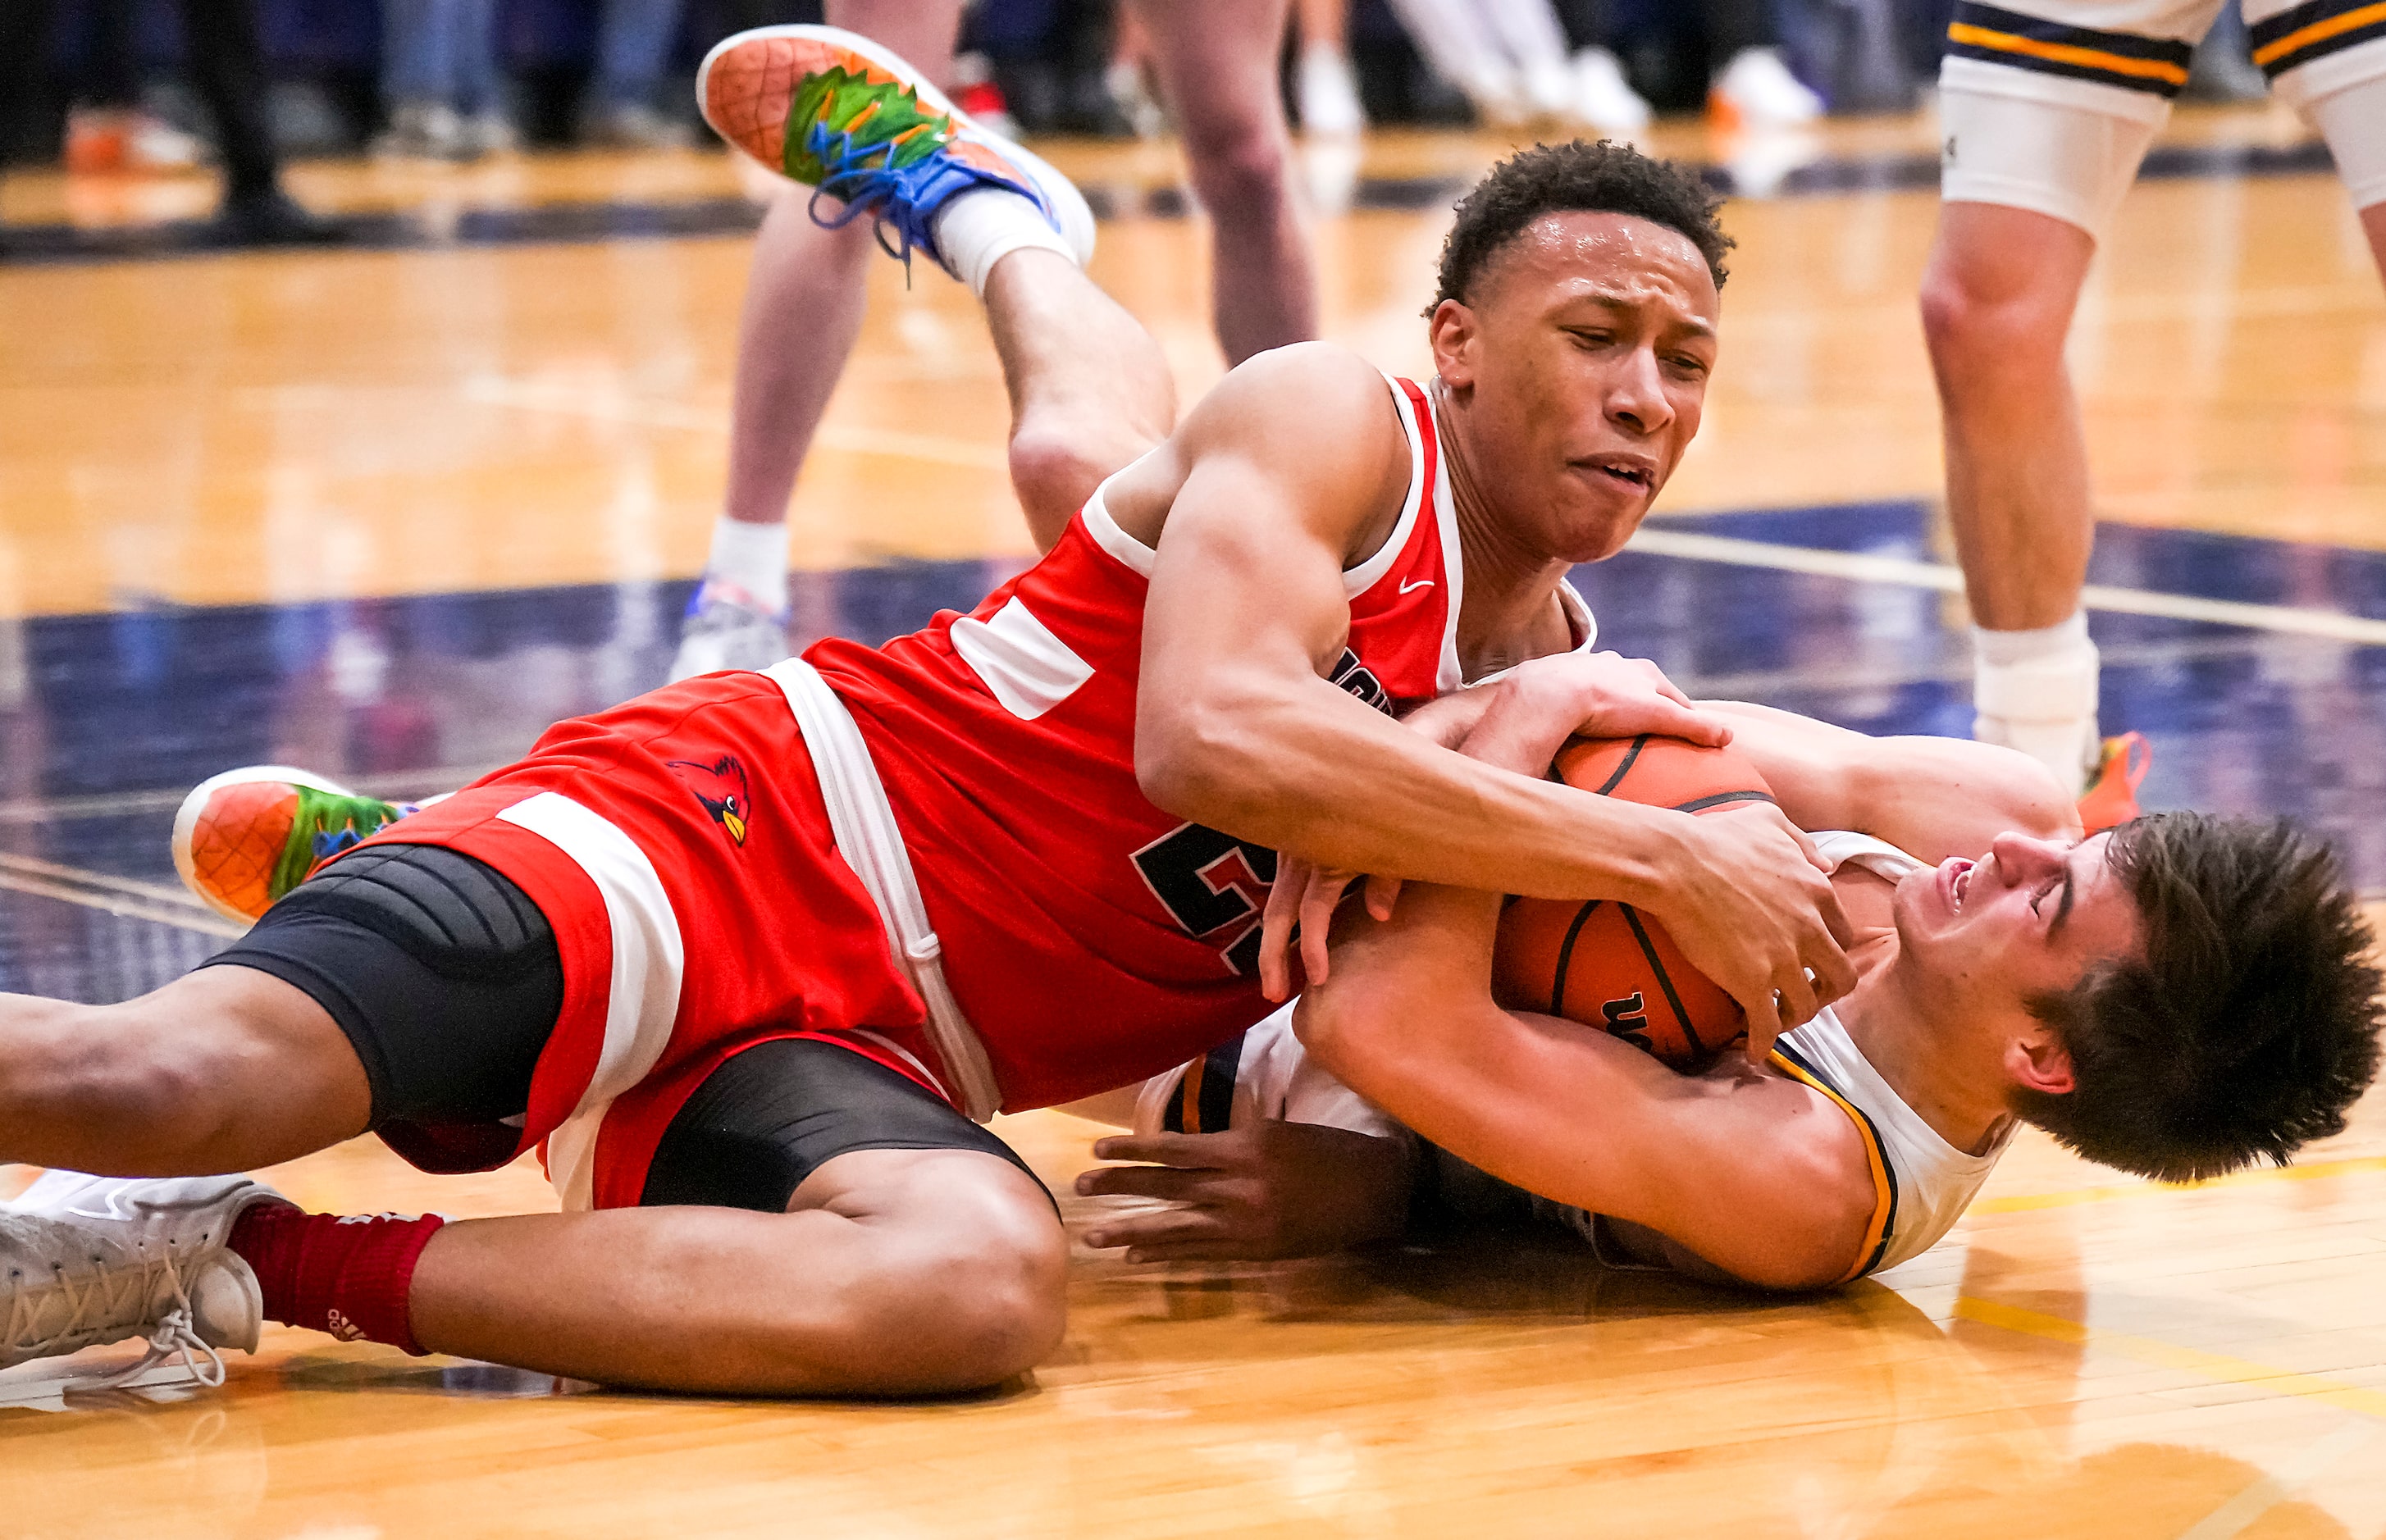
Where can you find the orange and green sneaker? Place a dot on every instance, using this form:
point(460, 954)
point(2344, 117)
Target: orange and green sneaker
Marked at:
point(837, 112)
point(245, 838)
point(2110, 798)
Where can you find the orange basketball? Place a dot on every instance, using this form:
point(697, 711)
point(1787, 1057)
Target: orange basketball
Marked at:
point(1607, 964)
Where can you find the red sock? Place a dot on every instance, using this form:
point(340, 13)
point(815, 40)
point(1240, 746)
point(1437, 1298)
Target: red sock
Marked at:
point(346, 1274)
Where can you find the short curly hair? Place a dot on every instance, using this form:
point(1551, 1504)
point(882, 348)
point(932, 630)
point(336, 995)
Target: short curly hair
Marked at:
point(1598, 178)
point(2249, 1026)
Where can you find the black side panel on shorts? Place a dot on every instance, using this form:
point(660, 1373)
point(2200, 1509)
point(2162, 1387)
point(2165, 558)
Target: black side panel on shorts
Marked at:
point(441, 972)
point(771, 1116)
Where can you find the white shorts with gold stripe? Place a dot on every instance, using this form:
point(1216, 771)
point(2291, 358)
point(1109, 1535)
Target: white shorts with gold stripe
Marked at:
point(2050, 105)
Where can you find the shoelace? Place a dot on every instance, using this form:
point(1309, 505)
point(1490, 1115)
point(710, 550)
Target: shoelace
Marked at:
point(114, 1292)
point(864, 178)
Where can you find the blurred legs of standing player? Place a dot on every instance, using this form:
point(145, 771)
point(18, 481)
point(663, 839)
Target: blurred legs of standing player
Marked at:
point(2037, 157)
point(227, 67)
point(804, 301)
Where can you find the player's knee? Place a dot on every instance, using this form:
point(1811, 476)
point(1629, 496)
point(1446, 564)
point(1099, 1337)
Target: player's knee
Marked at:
point(1971, 330)
point(1058, 457)
point(1008, 1307)
point(1241, 173)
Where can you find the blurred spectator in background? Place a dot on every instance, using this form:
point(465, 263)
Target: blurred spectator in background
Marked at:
point(439, 76)
point(1326, 89)
point(633, 50)
point(108, 128)
point(1508, 56)
point(227, 70)
point(1748, 82)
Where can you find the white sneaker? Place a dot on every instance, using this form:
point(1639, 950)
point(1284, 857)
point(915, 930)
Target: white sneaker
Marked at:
point(424, 130)
point(727, 629)
point(1756, 88)
point(1547, 87)
point(1328, 93)
point(1602, 97)
point(86, 1260)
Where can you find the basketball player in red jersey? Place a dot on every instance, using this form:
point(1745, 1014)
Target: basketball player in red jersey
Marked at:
point(2179, 998)
point(740, 953)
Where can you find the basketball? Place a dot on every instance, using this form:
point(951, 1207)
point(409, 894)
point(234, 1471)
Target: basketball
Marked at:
point(1608, 964)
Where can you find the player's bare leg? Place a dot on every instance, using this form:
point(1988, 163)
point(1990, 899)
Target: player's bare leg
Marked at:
point(1997, 302)
point(804, 306)
point(1217, 62)
point(222, 1070)
point(895, 1272)
point(1089, 387)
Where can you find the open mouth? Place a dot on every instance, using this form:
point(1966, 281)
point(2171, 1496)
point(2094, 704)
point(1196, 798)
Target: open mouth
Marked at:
point(1957, 882)
point(1637, 477)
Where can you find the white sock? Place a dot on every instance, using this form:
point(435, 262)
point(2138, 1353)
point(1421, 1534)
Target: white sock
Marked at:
point(754, 557)
point(979, 229)
point(2035, 691)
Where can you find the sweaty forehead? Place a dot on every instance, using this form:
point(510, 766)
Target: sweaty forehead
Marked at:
point(1615, 255)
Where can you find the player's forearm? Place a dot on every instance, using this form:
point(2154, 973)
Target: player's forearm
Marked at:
point(1303, 766)
point(1933, 797)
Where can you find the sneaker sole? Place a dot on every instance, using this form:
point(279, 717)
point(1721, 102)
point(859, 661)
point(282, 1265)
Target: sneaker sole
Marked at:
point(1076, 220)
point(186, 822)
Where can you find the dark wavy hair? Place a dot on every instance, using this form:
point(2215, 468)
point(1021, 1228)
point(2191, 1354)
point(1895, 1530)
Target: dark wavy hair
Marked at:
point(1579, 175)
point(2249, 1026)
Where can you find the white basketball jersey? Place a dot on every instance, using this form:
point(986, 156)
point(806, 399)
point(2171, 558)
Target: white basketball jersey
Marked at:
point(1923, 1184)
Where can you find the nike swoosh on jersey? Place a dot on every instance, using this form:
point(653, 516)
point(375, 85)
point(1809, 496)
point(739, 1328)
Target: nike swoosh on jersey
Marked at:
point(1412, 587)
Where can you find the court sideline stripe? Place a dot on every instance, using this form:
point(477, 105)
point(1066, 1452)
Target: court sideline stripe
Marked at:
point(2218, 1368)
point(567, 401)
point(1860, 567)
point(2247, 1509)
point(94, 897)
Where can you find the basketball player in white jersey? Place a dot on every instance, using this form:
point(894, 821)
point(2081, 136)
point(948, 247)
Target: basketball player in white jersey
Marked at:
point(2007, 973)
point(2048, 107)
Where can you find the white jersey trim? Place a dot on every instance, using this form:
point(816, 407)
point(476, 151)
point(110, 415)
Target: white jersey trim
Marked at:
point(642, 996)
point(1131, 553)
point(1935, 1181)
point(871, 843)
point(1026, 668)
point(1357, 579)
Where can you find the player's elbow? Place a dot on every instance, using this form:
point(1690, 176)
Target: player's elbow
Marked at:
point(1200, 758)
point(1337, 1020)
point(1816, 1238)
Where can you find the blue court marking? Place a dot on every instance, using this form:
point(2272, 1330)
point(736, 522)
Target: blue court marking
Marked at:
point(108, 717)
point(566, 223)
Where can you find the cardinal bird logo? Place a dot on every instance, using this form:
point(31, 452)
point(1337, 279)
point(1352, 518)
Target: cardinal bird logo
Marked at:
point(720, 786)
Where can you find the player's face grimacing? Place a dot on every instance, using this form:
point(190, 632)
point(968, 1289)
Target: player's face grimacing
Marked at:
point(1585, 349)
point(2026, 919)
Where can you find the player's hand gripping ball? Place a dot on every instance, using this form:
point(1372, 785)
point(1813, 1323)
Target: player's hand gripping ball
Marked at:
point(1608, 964)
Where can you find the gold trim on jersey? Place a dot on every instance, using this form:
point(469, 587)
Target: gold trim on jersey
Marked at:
point(1884, 1180)
point(2066, 53)
point(2273, 56)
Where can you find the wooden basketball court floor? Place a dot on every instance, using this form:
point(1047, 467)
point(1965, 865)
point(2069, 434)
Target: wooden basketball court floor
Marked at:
point(389, 510)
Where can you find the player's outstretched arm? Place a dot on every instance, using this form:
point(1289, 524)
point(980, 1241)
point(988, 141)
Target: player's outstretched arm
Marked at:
point(1751, 1173)
point(1931, 798)
point(1291, 470)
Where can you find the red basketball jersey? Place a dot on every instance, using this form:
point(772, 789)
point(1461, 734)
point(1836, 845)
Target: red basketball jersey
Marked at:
point(1092, 939)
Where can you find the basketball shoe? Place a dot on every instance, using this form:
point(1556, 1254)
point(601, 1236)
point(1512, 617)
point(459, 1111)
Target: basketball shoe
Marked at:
point(245, 838)
point(86, 1260)
point(2110, 798)
point(837, 112)
point(727, 628)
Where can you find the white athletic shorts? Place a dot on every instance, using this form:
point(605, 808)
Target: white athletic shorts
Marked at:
point(2051, 107)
